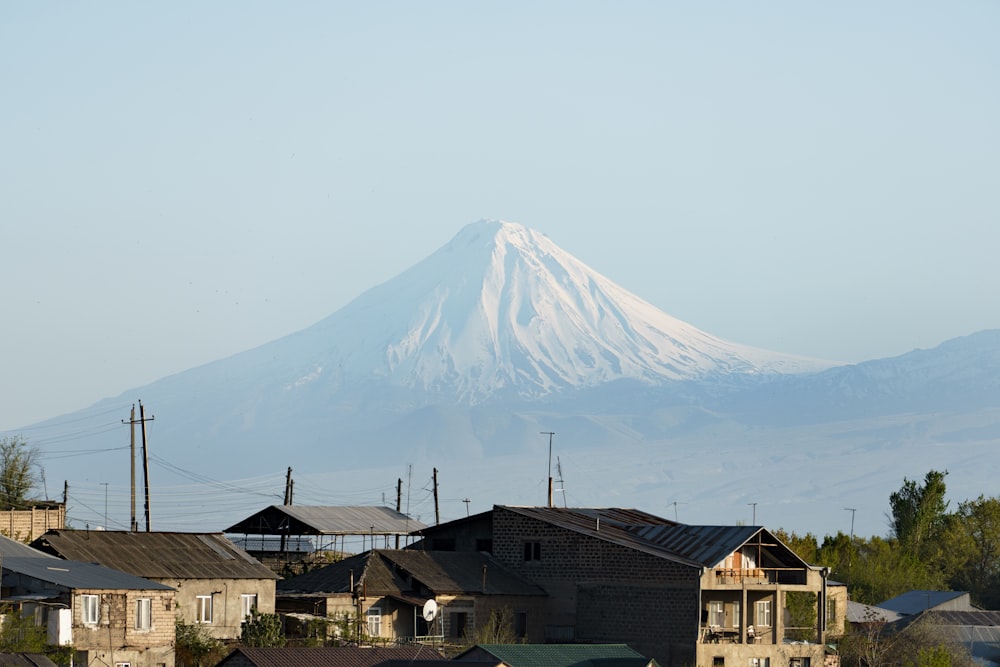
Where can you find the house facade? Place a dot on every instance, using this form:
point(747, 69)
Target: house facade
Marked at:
point(217, 584)
point(387, 593)
point(710, 596)
point(110, 618)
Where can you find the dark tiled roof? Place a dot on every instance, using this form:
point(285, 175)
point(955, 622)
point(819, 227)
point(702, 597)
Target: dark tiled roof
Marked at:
point(332, 656)
point(561, 655)
point(401, 572)
point(696, 546)
point(321, 520)
point(75, 575)
point(156, 555)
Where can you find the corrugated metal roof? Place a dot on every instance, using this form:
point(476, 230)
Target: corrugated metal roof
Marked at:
point(914, 602)
point(331, 656)
point(562, 655)
point(324, 520)
point(707, 545)
point(77, 575)
point(156, 555)
point(26, 660)
point(13, 549)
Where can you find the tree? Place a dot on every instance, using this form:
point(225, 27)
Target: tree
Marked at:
point(19, 634)
point(498, 629)
point(195, 647)
point(974, 538)
point(18, 471)
point(918, 512)
point(263, 631)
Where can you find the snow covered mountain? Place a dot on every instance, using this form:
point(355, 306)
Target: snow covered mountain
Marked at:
point(461, 361)
point(501, 309)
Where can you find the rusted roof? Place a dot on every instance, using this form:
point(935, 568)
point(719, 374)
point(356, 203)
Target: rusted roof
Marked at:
point(323, 520)
point(156, 555)
point(412, 575)
point(331, 656)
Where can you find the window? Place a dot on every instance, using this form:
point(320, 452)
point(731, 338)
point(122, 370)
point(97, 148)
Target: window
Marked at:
point(736, 614)
point(716, 614)
point(374, 618)
point(763, 613)
point(520, 624)
point(123, 664)
point(457, 622)
point(760, 662)
point(90, 609)
point(719, 661)
point(143, 613)
point(248, 604)
point(831, 611)
point(532, 551)
point(203, 609)
point(798, 662)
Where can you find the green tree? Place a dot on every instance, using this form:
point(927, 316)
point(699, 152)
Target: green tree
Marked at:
point(498, 629)
point(19, 471)
point(262, 630)
point(19, 634)
point(974, 538)
point(918, 512)
point(195, 647)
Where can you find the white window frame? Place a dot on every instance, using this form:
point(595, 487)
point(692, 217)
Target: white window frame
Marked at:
point(373, 621)
point(248, 603)
point(143, 613)
point(736, 614)
point(90, 609)
point(762, 613)
point(716, 613)
point(203, 609)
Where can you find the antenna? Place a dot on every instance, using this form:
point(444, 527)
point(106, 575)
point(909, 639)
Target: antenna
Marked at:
point(430, 610)
point(562, 484)
point(550, 434)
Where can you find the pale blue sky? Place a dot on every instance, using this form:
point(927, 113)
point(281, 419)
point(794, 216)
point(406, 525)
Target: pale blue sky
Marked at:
point(183, 181)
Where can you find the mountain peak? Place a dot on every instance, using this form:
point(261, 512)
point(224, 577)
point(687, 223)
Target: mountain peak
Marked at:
point(501, 308)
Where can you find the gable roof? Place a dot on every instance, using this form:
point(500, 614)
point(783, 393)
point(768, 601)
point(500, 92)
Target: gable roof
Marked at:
point(26, 660)
point(156, 555)
point(325, 520)
point(560, 655)
point(13, 549)
point(866, 613)
point(412, 575)
point(914, 602)
point(695, 546)
point(331, 656)
point(76, 575)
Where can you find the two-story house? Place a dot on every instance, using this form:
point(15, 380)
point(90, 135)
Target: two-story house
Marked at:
point(111, 619)
point(428, 595)
point(217, 583)
point(710, 596)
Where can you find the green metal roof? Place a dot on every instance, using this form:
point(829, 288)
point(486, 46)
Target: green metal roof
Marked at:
point(563, 655)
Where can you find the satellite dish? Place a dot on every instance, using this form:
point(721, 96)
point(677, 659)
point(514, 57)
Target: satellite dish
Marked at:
point(430, 610)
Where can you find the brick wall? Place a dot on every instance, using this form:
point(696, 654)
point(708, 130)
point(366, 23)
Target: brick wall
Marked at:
point(603, 591)
point(26, 525)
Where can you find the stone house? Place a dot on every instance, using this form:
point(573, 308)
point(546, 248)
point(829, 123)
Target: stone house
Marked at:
point(388, 590)
point(112, 619)
point(217, 584)
point(708, 596)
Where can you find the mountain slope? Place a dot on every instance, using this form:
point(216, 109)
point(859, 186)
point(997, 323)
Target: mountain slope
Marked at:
point(502, 309)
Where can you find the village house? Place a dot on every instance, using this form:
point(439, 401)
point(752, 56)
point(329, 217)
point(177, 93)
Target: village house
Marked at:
point(217, 583)
point(110, 618)
point(435, 597)
point(709, 596)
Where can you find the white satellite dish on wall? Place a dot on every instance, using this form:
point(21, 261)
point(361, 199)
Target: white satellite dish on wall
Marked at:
point(430, 610)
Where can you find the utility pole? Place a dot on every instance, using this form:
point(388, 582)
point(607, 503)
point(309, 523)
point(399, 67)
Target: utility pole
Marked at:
point(850, 554)
point(437, 511)
point(133, 525)
point(399, 502)
point(288, 486)
point(105, 485)
point(550, 434)
point(754, 505)
point(467, 501)
point(145, 459)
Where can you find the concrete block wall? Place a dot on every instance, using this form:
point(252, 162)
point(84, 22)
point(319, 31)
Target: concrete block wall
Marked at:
point(29, 524)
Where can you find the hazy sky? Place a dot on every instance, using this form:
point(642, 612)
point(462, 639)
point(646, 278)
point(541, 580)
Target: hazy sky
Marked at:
point(183, 181)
